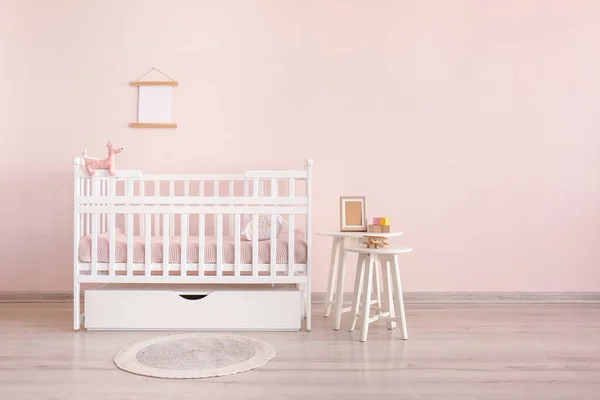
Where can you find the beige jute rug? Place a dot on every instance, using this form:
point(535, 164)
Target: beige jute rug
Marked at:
point(195, 355)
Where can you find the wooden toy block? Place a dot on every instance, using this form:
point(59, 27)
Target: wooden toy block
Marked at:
point(375, 221)
point(371, 228)
point(376, 242)
point(385, 221)
point(377, 229)
point(386, 229)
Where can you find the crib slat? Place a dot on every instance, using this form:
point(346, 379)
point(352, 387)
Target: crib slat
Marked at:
point(141, 220)
point(130, 231)
point(130, 235)
point(201, 242)
point(237, 249)
point(261, 189)
point(255, 187)
point(106, 181)
point(219, 244)
point(230, 217)
point(81, 192)
point(184, 231)
point(112, 231)
point(102, 194)
point(255, 193)
point(129, 192)
point(147, 245)
point(156, 216)
point(274, 193)
point(216, 185)
point(273, 244)
point(96, 192)
point(112, 187)
point(201, 230)
point(184, 243)
point(166, 249)
point(291, 258)
point(291, 187)
point(94, 244)
point(254, 244)
point(94, 216)
point(87, 216)
point(246, 194)
point(172, 216)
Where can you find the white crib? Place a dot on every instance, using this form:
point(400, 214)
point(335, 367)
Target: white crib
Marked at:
point(146, 214)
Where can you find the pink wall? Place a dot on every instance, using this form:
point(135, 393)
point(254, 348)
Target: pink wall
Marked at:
point(480, 119)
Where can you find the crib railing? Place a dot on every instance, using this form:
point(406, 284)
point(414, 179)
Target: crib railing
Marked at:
point(193, 205)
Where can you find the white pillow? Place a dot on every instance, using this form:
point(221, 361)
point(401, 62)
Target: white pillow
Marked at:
point(264, 227)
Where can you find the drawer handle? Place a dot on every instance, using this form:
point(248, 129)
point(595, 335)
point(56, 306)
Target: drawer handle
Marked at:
point(193, 296)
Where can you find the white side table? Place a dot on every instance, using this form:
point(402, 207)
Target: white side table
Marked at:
point(337, 268)
point(368, 262)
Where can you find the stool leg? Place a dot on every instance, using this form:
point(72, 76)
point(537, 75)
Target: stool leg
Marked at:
point(339, 293)
point(399, 299)
point(358, 283)
point(332, 276)
point(388, 293)
point(377, 283)
point(366, 308)
point(363, 280)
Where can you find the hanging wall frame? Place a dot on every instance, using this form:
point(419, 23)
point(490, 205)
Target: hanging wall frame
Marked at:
point(154, 102)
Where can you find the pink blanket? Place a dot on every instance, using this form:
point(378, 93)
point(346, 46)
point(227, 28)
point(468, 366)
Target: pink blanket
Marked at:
point(210, 249)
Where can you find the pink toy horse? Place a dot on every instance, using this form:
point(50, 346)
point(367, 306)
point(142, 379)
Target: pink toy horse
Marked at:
point(108, 163)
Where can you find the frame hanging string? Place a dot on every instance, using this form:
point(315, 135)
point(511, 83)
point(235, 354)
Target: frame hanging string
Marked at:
point(154, 69)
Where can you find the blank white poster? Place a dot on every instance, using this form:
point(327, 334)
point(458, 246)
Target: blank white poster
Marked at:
point(155, 104)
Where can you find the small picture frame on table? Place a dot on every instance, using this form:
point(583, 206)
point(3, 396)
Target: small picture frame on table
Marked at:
point(353, 214)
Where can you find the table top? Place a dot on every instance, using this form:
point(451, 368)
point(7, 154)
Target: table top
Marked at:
point(359, 234)
point(382, 250)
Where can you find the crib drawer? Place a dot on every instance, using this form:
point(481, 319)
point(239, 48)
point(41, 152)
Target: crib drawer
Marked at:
point(273, 310)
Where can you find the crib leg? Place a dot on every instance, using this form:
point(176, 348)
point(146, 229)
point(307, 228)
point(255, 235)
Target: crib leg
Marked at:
point(76, 306)
point(308, 302)
point(302, 289)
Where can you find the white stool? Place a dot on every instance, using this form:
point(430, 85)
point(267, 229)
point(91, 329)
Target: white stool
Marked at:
point(369, 260)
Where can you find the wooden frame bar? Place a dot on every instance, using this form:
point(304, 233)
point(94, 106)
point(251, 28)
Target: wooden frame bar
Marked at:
point(155, 83)
point(195, 200)
point(192, 268)
point(193, 209)
point(162, 125)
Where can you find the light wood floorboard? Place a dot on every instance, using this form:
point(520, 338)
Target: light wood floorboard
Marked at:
point(512, 351)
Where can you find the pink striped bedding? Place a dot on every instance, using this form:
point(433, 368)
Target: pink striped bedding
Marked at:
point(210, 249)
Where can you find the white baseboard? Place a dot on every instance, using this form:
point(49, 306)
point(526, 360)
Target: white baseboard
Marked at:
point(36, 297)
point(486, 297)
point(409, 297)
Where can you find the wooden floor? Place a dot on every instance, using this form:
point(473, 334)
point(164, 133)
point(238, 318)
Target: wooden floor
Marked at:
point(454, 352)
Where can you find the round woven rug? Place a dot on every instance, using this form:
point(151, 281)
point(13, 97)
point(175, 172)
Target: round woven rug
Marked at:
point(194, 355)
